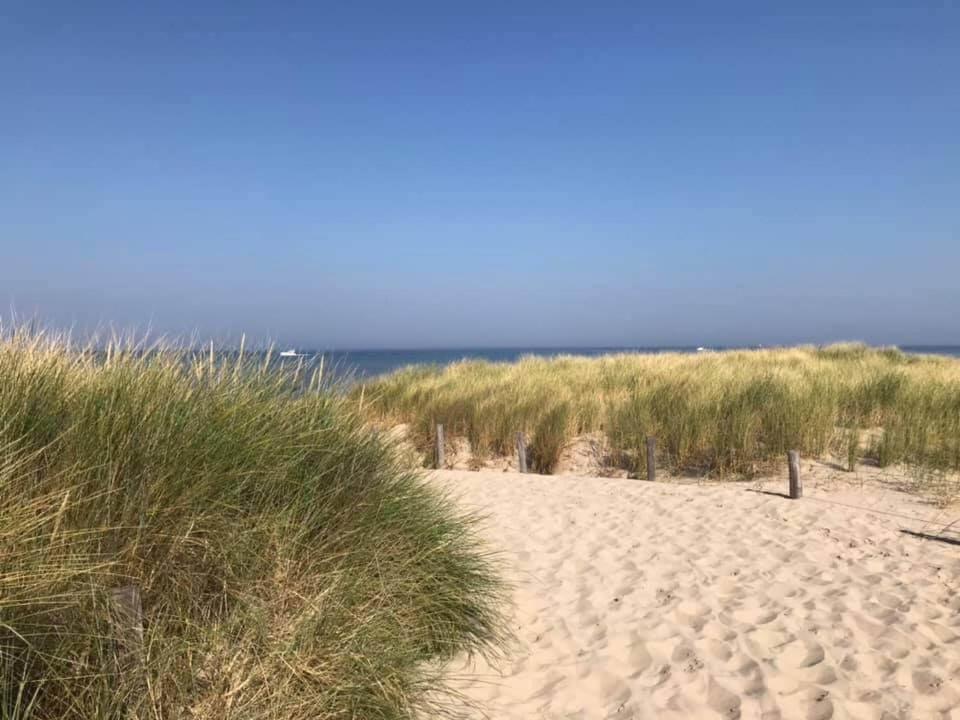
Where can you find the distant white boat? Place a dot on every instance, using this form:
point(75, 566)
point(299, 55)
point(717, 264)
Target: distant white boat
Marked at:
point(289, 353)
point(701, 349)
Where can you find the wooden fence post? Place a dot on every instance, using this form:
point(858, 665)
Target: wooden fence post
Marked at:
point(521, 452)
point(651, 458)
point(796, 485)
point(440, 455)
point(126, 617)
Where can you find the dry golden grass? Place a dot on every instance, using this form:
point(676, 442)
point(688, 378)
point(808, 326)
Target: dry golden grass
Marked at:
point(718, 411)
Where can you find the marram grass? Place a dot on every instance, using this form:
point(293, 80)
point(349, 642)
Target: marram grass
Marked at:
point(290, 566)
point(722, 412)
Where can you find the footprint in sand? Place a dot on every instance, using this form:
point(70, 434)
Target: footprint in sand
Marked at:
point(663, 631)
point(730, 585)
point(768, 642)
point(893, 644)
point(890, 600)
point(926, 683)
point(817, 704)
point(881, 613)
point(752, 684)
point(664, 649)
point(805, 661)
point(782, 591)
point(799, 654)
point(686, 659)
point(717, 631)
point(757, 615)
point(692, 614)
point(936, 633)
point(609, 689)
point(716, 649)
point(741, 664)
point(638, 659)
point(871, 628)
point(871, 665)
point(654, 677)
point(934, 695)
point(723, 702)
point(548, 686)
point(929, 612)
point(665, 595)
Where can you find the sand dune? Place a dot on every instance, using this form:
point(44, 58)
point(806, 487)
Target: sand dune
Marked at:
point(639, 600)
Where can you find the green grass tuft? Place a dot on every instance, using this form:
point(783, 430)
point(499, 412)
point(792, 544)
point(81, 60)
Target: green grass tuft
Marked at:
point(290, 566)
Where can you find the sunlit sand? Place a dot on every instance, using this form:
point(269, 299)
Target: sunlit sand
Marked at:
point(642, 600)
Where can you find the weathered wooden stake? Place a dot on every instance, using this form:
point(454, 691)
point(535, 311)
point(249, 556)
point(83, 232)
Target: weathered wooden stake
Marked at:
point(521, 452)
point(440, 456)
point(651, 458)
point(796, 485)
point(126, 616)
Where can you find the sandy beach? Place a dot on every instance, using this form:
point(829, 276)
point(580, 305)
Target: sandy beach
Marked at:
point(658, 600)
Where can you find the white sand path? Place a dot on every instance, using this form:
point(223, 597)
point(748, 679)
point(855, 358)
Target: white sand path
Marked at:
point(639, 600)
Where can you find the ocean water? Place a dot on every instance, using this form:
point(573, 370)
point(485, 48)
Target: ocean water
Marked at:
point(370, 363)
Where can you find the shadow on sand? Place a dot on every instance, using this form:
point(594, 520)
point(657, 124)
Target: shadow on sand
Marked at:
point(928, 536)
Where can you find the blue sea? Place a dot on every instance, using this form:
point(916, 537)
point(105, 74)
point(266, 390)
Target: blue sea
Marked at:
point(370, 363)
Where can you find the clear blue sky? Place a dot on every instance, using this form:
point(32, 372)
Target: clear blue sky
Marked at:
point(489, 173)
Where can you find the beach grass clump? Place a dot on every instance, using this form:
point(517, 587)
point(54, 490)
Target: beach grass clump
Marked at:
point(713, 412)
point(549, 437)
point(288, 563)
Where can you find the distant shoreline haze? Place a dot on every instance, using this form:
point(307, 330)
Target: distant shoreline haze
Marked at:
point(370, 363)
